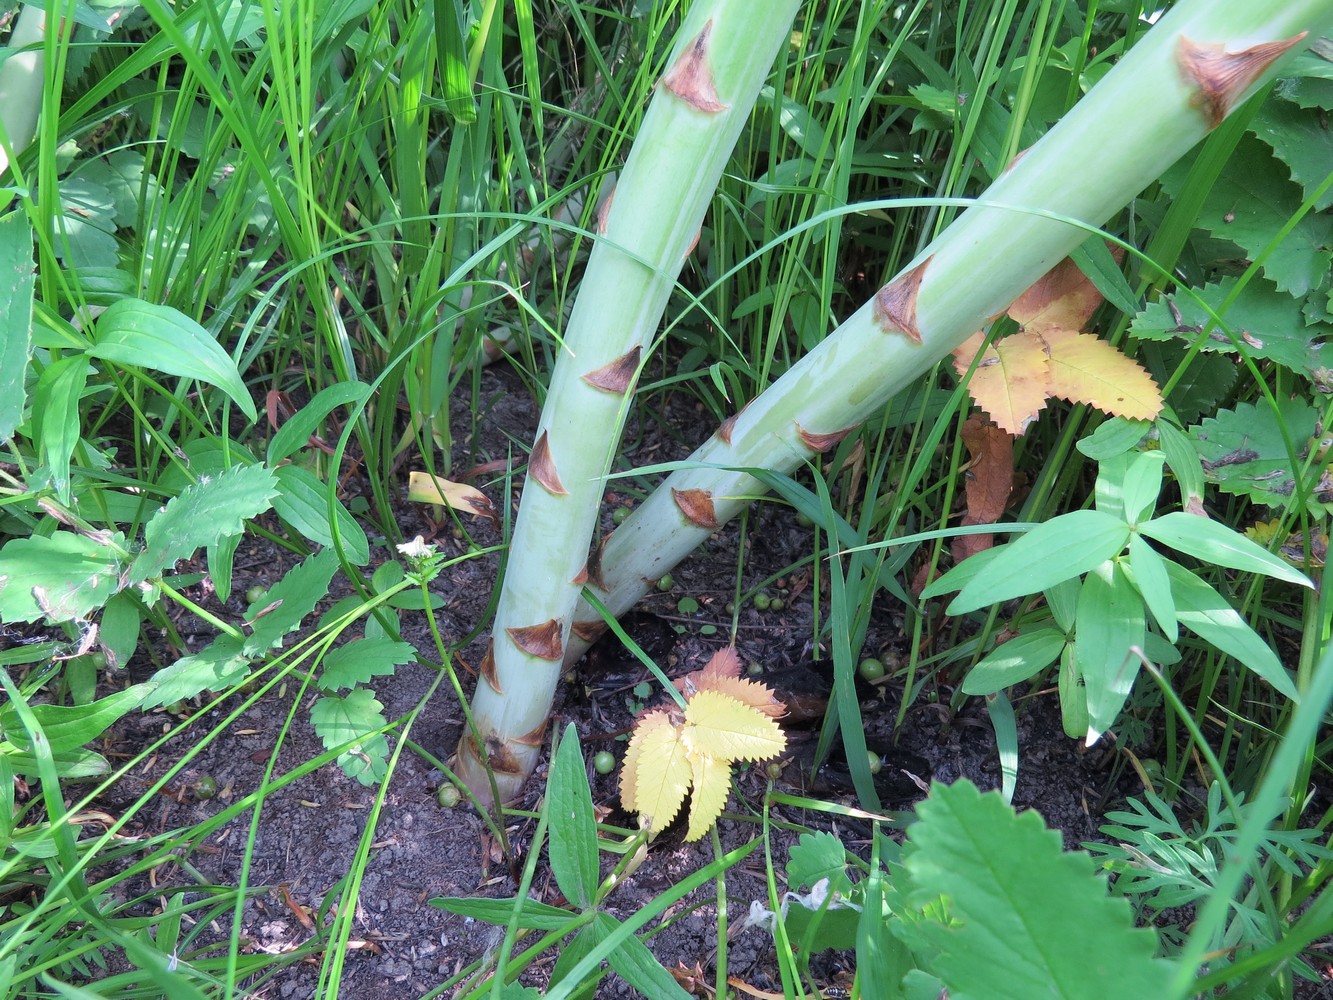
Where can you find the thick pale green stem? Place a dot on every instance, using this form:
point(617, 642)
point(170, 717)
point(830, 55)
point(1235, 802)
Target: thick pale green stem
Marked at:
point(717, 66)
point(1201, 60)
point(21, 84)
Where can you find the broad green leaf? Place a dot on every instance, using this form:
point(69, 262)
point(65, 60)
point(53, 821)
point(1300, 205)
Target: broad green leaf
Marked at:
point(1110, 620)
point(1148, 574)
point(881, 959)
point(573, 828)
point(1005, 727)
point(1073, 696)
point(573, 952)
point(1182, 459)
point(1058, 550)
point(1113, 437)
point(720, 726)
point(122, 175)
point(203, 514)
point(358, 661)
point(85, 224)
point(289, 600)
point(220, 557)
point(62, 577)
point(354, 718)
point(1207, 614)
point(1015, 661)
point(1025, 919)
point(15, 318)
point(1243, 451)
point(135, 332)
point(1264, 322)
point(1143, 484)
point(1062, 599)
point(303, 503)
point(55, 404)
point(68, 727)
point(71, 764)
point(961, 575)
point(1109, 489)
point(1215, 543)
point(293, 435)
point(635, 964)
point(536, 915)
point(216, 667)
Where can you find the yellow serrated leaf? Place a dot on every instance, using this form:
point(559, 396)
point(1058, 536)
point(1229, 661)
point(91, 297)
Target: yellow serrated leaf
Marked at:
point(747, 692)
point(425, 488)
point(712, 782)
point(1010, 381)
point(661, 771)
point(1086, 369)
point(718, 725)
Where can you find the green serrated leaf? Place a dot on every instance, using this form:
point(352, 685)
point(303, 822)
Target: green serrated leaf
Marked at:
point(303, 503)
point(1262, 322)
point(361, 659)
point(1250, 203)
point(635, 964)
point(1021, 912)
point(1243, 451)
point(216, 667)
point(1015, 661)
point(121, 174)
point(1110, 620)
point(1058, 550)
point(85, 225)
point(1215, 543)
point(1302, 140)
point(535, 916)
point(68, 727)
point(573, 828)
point(203, 514)
point(289, 600)
point(1207, 614)
point(16, 296)
point(135, 332)
point(817, 856)
point(293, 435)
point(1148, 574)
point(354, 718)
point(61, 578)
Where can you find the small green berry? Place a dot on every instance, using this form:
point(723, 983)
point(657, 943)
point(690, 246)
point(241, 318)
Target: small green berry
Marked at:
point(255, 594)
point(97, 660)
point(604, 762)
point(754, 669)
point(762, 601)
point(666, 583)
point(774, 770)
point(871, 669)
point(619, 514)
point(205, 787)
point(875, 761)
point(776, 604)
point(805, 520)
point(448, 795)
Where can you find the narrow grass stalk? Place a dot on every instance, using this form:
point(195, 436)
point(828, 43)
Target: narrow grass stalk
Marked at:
point(1175, 86)
point(721, 58)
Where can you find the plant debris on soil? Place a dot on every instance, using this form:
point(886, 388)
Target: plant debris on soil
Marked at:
point(306, 834)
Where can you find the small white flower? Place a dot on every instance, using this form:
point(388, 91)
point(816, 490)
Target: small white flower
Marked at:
point(416, 549)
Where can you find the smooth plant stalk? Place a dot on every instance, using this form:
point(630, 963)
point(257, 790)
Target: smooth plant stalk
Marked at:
point(1179, 82)
point(21, 84)
point(720, 60)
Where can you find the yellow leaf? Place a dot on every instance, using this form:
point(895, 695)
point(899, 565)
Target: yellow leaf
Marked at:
point(1086, 369)
point(425, 488)
point(1011, 379)
point(712, 782)
point(1063, 298)
point(661, 771)
point(718, 725)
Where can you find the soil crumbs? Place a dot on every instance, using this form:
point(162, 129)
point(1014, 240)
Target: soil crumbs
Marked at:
point(307, 833)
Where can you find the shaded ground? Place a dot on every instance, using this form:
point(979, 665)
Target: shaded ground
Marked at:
point(307, 833)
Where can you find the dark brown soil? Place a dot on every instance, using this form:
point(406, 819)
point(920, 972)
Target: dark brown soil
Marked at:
point(308, 832)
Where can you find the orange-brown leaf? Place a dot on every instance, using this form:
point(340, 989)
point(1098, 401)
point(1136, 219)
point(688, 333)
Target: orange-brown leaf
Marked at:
point(1010, 380)
point(1086, 369)
point(1062, 298)
point(425, 488)
point(990, 479)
